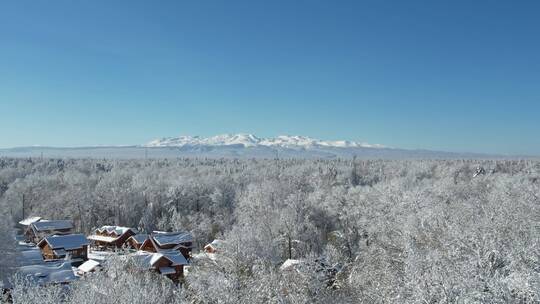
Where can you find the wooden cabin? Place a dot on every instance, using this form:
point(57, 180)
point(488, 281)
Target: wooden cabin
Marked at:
point(111, 237)
point(73, 246)
point(38, 230)
point(149, 245)
point(170, 264)
point(215, 246)
point(178, 241)
point(136, 241)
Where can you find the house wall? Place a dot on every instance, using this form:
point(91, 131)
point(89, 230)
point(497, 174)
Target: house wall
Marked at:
point(163, 262)
point(29, 234)
point(81, 253)
point(133, 244)
point(101, 243)
point(47, 252)
point(209, 249)
point(148, 247)
point(178, 275)
point(186, 252)
point(123, 238)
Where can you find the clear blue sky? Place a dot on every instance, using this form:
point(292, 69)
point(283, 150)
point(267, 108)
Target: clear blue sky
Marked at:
point(444, 75)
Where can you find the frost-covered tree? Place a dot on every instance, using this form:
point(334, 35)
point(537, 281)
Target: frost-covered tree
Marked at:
point(379, 231)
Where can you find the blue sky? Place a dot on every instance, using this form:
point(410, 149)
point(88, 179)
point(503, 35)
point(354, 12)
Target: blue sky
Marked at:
point(443, 75)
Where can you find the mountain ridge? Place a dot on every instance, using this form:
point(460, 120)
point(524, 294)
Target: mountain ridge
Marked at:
point(250, 140)
point(244, 145)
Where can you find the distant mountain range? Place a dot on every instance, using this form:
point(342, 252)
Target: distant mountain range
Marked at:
point(250, 140)
point(241, 146)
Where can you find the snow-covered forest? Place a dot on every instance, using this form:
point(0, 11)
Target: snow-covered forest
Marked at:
point(358, 231)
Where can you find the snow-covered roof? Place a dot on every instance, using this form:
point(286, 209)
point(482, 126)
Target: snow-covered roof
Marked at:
point(30, 257)
point(149, 260)
point(119, 230)
point(48, 273)
point(167, 270)
point(29, 220)
point(139, 238)
point(103, 238)
point(216, 244)
point(171, 238)
point(68, 242)
point(176, 258)
point(46, 225)
point(143, 260)
point(88, 266)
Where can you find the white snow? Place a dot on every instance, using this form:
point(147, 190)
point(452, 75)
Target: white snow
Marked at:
point(119, 230)
point(49, 273)
point(30, 257)
point(88, 266)
point(176, 258)
point(171, 238)
point(289, 264)
point(102, 238)
point(250, 140)
point(30, 220)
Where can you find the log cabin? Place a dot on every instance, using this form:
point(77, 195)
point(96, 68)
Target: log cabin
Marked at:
point(72, 246)
point(149, 245)
point(136, 241)
point(111, 237)
point(178, 241)
point(168, 263)
point(160, 241)
point(38, 230)
point(215, 246)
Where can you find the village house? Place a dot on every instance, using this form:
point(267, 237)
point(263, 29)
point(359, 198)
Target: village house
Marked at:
point(176, 241)
point(168, 263)
point(40, 229)
point(136, 241)
point(214, 246)
point(111, 237)
point(72, 246)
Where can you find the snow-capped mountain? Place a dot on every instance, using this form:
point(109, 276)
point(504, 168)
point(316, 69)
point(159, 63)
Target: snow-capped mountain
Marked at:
point(239, 146)
point(250, 140)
